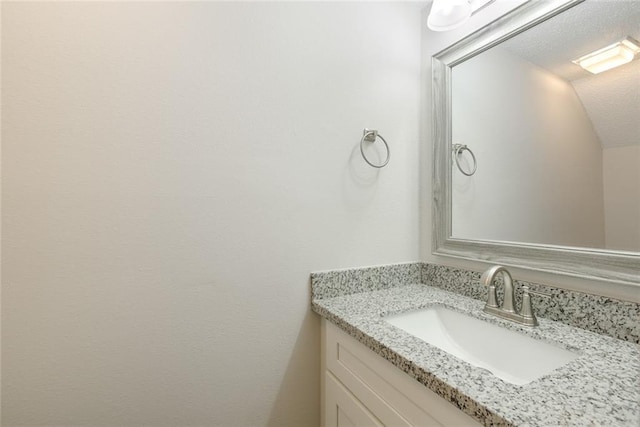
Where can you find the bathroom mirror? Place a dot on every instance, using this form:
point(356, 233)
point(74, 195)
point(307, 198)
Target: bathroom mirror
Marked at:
point(557, 185)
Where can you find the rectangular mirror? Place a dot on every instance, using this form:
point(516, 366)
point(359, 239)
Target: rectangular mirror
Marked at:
point(536, 160)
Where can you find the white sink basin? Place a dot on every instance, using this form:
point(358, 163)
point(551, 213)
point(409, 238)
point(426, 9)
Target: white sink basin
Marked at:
point(512, 357)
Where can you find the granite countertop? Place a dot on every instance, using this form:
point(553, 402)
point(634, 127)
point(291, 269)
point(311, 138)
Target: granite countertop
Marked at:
point(600, 387)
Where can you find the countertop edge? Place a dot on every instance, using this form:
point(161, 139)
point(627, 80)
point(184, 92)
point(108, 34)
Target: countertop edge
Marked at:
point(449, 393)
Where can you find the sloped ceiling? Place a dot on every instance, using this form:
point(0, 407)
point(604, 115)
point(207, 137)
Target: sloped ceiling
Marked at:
point(612, 98)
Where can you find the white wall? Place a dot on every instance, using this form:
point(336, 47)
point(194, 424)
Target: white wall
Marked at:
point(621, 167)
point(172, 173)
point(539, 176)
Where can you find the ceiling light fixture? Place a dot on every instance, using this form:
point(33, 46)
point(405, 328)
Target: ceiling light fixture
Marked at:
point(448, 15)
point(609, 57)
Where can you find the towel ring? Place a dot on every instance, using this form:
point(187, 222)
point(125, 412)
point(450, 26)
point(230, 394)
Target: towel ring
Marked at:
point(457, 150)
point(370, 135)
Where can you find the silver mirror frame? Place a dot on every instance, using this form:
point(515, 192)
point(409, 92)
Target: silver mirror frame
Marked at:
point(613, 266)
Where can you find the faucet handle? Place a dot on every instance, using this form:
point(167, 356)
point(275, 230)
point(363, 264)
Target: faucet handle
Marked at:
point(527, 309)
point(487, 279)
point(492, 299)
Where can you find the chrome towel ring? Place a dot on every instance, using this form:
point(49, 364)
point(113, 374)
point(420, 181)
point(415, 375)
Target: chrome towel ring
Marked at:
point(370, 135)
point(457, 150)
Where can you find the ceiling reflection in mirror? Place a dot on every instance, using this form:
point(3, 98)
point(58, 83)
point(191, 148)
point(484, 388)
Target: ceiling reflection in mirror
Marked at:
point(557, 148)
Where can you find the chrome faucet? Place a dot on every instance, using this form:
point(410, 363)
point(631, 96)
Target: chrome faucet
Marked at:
point(508, 309)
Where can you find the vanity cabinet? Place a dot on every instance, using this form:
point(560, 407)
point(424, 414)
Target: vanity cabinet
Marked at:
point(360, 388)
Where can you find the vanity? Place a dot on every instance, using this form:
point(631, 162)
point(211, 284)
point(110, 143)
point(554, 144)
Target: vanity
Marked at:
point(376, 373)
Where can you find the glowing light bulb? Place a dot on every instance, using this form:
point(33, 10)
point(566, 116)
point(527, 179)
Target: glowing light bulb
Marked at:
point(447, 15)
point(609, 57)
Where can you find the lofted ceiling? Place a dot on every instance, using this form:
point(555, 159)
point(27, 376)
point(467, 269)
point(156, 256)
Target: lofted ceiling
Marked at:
point(612, 98)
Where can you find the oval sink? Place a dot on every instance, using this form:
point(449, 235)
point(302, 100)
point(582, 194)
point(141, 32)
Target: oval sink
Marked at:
point(510, 356)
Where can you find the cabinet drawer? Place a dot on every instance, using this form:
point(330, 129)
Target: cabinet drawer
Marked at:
point(343, 409)
point(391, 395)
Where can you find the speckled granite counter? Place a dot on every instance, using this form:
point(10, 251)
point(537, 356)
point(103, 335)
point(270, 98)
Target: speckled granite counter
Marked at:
point(601, 387)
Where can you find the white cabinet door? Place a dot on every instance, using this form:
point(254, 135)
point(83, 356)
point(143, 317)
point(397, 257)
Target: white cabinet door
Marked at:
point(389, 397)
point(342, 409)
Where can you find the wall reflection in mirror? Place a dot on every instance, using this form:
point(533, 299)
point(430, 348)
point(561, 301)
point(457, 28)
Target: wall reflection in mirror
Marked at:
point(557, 147)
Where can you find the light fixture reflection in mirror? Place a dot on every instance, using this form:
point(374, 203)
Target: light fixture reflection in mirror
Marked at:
point(609, 57)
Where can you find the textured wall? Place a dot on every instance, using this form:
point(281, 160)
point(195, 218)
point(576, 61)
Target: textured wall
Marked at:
point(172, 172)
